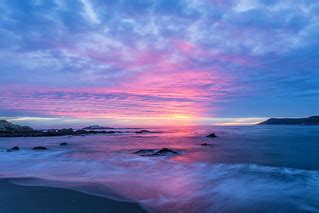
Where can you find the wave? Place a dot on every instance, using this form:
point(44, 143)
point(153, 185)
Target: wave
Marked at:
point(167, 185)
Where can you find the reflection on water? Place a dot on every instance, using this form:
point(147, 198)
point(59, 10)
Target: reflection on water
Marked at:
point(246, 168)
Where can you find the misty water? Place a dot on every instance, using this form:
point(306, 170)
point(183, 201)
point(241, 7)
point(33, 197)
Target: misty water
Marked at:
point(251, 168)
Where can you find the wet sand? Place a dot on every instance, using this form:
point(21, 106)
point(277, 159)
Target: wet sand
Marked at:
point(38, 199)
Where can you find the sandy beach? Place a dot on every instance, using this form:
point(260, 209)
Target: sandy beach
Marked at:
point(38, 199)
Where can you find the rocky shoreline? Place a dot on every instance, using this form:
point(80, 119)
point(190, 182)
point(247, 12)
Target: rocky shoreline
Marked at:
point(54, 132)
point(8, 129)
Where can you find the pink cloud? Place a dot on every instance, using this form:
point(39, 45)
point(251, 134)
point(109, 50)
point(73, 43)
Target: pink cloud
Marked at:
point(155, 85)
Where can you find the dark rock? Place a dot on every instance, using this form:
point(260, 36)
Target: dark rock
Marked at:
point(63, 144)
point(57, 132)
point(93, 127)
point(212, 135)
point(142, 131)
point(15, 148)
point(145, 152)
point(8, 129)
point(81, 132)
point(146, 131)
point(205, 144)
point(165, 151)
point(37, 134)
point(152, 152)
point(109, 132)
point(39, 148)
point(6, 126)
point(68, 131)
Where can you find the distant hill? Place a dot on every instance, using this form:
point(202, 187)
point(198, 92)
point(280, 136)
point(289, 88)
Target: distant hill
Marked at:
point(313, 120)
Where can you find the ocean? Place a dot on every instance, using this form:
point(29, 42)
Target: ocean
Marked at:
point(244, 169)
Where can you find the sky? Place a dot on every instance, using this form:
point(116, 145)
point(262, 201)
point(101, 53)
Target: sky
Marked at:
point(158, 62)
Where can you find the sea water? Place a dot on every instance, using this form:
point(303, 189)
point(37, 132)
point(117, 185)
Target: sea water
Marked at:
point(244, 169)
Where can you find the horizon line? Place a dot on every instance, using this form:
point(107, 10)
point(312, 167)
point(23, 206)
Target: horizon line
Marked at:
point(41, 122)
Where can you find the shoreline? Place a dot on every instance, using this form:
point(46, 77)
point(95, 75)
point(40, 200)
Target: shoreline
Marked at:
point(39, 199)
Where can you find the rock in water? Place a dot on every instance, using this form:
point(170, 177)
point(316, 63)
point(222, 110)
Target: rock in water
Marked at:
point(142, 131)
point(15, 148)
point(145, 152)
point(39, 148)
point(165, 151)
point(81, 132)
point(205, 144)
point(93, 127)
point(146, 131)
point(152, 152)
point(63, 144)
point(212, 135)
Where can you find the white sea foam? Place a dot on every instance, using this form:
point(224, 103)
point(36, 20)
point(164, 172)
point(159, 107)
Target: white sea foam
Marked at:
point(168, 185)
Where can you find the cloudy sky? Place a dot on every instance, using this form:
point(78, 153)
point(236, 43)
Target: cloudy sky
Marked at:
point(137, 62)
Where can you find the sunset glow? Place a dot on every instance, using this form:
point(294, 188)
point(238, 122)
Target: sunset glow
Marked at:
point(152, 106)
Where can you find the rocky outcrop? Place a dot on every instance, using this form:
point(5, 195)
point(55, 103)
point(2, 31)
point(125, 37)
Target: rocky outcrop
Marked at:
point(143, 131)
point(8, 129)
point(153, 152)
point(166, 151)
point(15, 148)
point(313, 120)
point(58, 132)
point(6, 126)
point(81, 132)
point(205, 144)
point(85, 132)
point(212, 135)
point(39, 148)
point(95, 127)
point(145, 152)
